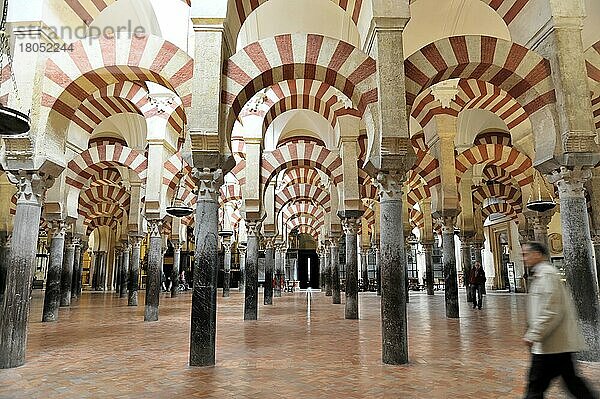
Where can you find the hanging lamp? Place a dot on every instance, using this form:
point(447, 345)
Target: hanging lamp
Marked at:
point(177, 208)
point(12, 122)
point(540, 198)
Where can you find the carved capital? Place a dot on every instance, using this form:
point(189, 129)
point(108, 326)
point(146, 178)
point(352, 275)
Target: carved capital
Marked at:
point(596, 239)
point(57, 228)
point(31, 186)
point(136, 241)
point(390, 185)
point(351, 225)
point(226, 246)
point(269, 242)
point(570, 182)
point(209, 183)
point(253, 227)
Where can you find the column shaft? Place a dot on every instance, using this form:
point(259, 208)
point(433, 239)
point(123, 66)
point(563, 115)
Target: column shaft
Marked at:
point(242, 281)
point(67, 275)
point(269, 268)
point(335, 273)
point(279, 269)
point(76, 271)
point(394, 331)
point(227, 271)
point(154, 272)
point(577, 251)
point(21, 264)
point(466, 265)
point(134, 271)
point(449, 259)
point(350, 230)
point(206, 268)
point(328, 291)
point(117, 272)
point(364, 260)
point(428, 248)
point(125, 270)
point(378, 269)
point(251, 273)
point(52, 294)
point(175, 271)
point(4, 249)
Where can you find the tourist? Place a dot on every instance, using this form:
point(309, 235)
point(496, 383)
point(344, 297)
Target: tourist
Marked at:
point(477, 283)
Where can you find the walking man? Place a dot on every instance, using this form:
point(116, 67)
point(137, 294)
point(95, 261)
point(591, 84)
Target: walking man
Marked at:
point(553, 333)
point(477, 282)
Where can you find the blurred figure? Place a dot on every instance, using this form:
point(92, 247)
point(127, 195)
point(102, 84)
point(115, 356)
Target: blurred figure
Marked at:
point(477, 281)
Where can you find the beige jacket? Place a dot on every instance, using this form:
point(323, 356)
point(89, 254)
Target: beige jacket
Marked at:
point(551, 314)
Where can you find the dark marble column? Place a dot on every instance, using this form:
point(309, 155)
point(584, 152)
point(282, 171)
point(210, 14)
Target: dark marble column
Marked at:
point(83, 249)
point(596, 241)
point(577, 251)
point(125, 270)
point(134, 270)
point(206, 268)
point(394, 332)
point(76, 272)
point(226, 267)
point(242, 252)
point(4, 248)
point(251, 272)
point(351, 224)
point(175, 271)
point(278, 267)
point(117, 270)
point(364, 263)
point(465, 252)
point(336, 296)
point(378, 269)
point(428, 249)
point(269, 269)
point(153, 273)
point(66, 278)
point(93, 270)
point(52, 294)
point(31, 188)
point(102, 270)
point(327, 250)
point(449, 261)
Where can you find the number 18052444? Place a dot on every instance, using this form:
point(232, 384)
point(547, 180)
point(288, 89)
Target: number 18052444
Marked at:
point(44, 47)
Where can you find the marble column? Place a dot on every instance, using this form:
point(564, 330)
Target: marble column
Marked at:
point(465, 252)
point(596, 241)
point(242, 281)
point(206, 269)
point(336, 296)
point(52, 294)
point(449, 261)
point(102, 257)
point(176, 266)
point(269, 268)
point(134, 270)
point(125, 270)
point(326, 249)
point(577, 251)
point(279, 269)
point(31, 188)
point(539, 221)
point(394, 333)
point(351, 225)
point(76, 272)
point(251, 272)
point(82, 249)
point(428, 249)
point(364, 262)
point(378, 269)
point(93, 270)
point(154, 272)
point(66, 278)
point(227, 268)
point(4, 248)
point(117, 269)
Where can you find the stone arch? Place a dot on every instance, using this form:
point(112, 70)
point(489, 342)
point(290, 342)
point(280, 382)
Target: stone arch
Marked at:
point(503, 208)
point(506, 9)
point(509, 194)
point(304, 192)
point(297, 56)
point(523, 74)
point(79, 169)
point(88, 11)
point(301, 154)
point(101, 221)
point(70, 77)
point(514, 162)
point(300, 175)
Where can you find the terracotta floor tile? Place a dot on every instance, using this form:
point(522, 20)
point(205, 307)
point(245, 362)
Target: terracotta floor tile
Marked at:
point(101, 348)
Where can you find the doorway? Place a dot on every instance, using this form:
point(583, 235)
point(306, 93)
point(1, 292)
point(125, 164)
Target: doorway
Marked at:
point(308, 268)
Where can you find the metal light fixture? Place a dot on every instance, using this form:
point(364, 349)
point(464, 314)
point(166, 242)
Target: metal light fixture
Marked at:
point(178, 209)
point(12, 122)
point(540, 199)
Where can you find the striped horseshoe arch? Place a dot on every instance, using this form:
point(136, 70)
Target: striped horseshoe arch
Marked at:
point(102, 221)
point(302, 192)
point(301, 154)
point(302, 208)
point(85, 165)
point(417, 219)
point(304, 220)
point(521, 73)
point(172, 167)
point(300, 175)
point(502, 208)
point(511, 195)
point(592, 64)
point(309, 230)
point(298, 56)
point(514, 162)
point(70, 77)
point(98, 194)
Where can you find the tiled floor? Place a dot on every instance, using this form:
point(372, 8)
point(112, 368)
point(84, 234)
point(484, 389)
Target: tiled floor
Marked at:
point(101, 348)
